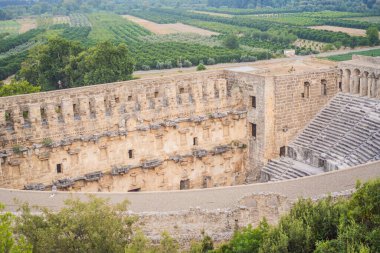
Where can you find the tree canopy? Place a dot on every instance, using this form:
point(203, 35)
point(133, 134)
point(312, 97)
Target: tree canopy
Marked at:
point(93, 226)
point(231, 41)
point(9, 242)
point(17, 88)
point(63, 64)
point(373, 35)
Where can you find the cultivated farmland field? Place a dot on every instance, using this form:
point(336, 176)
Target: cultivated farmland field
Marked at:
point(161, 38)
point(371, 19)
point(9, 26)
point(346, 57)
point(169, 28)
point(350, 31)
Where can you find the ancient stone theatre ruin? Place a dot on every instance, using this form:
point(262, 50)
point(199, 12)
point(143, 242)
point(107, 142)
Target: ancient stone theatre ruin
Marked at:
point(203, 130)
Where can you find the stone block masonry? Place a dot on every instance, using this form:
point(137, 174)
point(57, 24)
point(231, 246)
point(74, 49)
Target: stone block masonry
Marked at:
point(208, 129)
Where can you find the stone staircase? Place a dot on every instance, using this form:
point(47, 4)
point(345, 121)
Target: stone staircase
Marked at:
point(344, 134)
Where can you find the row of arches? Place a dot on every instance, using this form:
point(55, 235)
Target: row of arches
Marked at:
point(360, 82)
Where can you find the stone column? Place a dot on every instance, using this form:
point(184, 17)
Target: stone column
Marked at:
point(222, 83)
point(210, 89)
point(141, 98)
point(363, 85)
point(355, 84)
point(51, 115)
point(99, 108)
point(17, 118)
point(67, 111)
point(35, 115)
point(377, 89)
point(170, 95)
point(84, 108)
point(346, 82)
point(197, 93)
point(370, 86)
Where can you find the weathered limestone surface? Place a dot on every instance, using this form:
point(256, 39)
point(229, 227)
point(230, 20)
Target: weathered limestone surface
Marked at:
point(217, 210)
point(345, 133)
point(179, 132)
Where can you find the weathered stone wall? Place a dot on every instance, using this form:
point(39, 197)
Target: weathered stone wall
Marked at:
point(294, 109)
point(281, 110)
point(218, 210)
point(261, 88)
point(178, 132)
point(144, 135)
point(186, 226)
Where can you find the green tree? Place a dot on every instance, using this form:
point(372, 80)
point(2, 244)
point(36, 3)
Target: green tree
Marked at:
point(373, 35)
point(46, 64)
point(93, 226)
point(246, 240)
point(17, 88)
point(231, 41)
point(201, 67)
point(9, 242)
point(101, 64)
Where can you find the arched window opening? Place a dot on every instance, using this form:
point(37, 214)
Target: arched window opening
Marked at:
point(324, 87)
point(306, 91)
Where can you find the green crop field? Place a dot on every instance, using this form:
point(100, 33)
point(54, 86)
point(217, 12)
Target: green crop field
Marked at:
point(346, 57)
point(261, 34)
point(9, 26)
point(107, 26)
point(373, 19)
point(288, 19)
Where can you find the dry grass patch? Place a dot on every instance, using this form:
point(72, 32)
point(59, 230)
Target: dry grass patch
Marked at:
point(27, 24)
point(350, 31)
point(168, 28)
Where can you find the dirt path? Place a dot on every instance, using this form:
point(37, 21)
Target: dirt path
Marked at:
point(168, 28)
